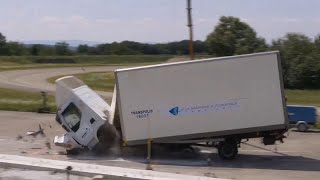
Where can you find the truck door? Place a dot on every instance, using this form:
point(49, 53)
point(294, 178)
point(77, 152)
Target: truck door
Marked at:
point(75, 121)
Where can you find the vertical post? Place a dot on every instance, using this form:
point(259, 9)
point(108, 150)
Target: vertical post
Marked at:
point(149, 143)
point(191, 52)
point(149, 167)
point(44, 99)
point(68, 168)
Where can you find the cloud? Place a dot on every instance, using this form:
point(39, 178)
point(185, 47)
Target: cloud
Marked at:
point(316, 20)
point(247, 20)
point(202, 20)
point(147, 19)
point(145, 29)
point(143, 21)
point(106, 21)
point(286, 20)
point(49, 19)
point(64, 20)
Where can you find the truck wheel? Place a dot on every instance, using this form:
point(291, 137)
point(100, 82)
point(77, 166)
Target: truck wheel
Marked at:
point(108, 139)
point(73, 151)
point(188, 153)
point(228, 150)
point(302, 127)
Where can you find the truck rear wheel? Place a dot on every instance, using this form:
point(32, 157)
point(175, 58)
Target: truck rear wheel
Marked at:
point(228, 150)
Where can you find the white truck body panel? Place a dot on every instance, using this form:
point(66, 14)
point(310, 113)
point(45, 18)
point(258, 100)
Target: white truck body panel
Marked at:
point(203, 98)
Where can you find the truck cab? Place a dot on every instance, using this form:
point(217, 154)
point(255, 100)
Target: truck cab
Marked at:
point(81, 112)
point(302, 117)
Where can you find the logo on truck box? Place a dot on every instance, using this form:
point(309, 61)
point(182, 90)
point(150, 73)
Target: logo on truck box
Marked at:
point(229, 105)
point(174, 111)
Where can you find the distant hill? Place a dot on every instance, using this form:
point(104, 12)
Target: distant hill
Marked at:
point(73, 43)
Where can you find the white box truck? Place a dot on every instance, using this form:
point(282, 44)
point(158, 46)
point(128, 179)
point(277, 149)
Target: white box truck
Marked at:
point(212, 102)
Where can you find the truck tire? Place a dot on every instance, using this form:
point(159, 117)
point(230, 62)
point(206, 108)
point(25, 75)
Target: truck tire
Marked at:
point(302, 127)
point(109, 140)
point(189, 153)
point(228, 150)
point(74, 151)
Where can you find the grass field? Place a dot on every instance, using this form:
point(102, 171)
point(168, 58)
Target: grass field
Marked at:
point(83, 59)
point(303, 97)
point(12, 100)
point(103, 81)
point(25, 62)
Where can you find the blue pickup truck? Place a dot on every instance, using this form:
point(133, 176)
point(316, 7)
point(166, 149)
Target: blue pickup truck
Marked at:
point(303, 117)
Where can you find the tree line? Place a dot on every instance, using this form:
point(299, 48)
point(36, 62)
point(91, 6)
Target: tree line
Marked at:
point(300, 54)
point(116, 48)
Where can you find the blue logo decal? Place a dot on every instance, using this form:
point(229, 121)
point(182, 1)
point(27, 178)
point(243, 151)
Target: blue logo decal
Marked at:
point(224, 106)
point(174, 111)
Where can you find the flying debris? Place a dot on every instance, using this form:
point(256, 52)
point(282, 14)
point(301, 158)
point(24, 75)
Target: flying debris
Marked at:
point(36, 133)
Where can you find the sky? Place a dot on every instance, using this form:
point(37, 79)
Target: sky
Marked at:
point(150, 20)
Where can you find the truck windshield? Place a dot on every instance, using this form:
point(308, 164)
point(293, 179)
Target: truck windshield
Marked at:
point(72, 117)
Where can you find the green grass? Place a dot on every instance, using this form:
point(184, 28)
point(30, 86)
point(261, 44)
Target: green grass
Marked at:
point(303, 97)
point(33, 62)
point(103, 81)
point(84, 59)
point(13, 100)
point(25, 62)
point(318, 124)
point(89, 59)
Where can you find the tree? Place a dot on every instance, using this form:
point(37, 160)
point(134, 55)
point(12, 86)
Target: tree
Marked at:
point(62, 48)
point(34, 50)
point(3, 42)
point(299, 60)
point(16, 49)
point(83, 49)
point(231, 36)
point(42, 50)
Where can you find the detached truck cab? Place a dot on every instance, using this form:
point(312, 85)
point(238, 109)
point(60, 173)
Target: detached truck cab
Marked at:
point(213, 102)
point(82, 113)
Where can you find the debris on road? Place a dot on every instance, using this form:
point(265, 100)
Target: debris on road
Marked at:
point(36, 133)
point(19, 137)
point(48, 144)
point(97, 177)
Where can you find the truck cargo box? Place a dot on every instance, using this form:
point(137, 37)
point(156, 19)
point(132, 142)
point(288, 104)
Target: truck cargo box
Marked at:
point(201, 98)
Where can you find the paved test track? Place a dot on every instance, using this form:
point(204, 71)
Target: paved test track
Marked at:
point(35, 80)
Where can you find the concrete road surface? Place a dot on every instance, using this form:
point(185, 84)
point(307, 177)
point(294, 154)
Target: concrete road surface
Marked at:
point(297, 158)
point(24, 174)
point(35, 80)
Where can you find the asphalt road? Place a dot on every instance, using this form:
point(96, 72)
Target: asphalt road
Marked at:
point(35, 80)
point(297, 158)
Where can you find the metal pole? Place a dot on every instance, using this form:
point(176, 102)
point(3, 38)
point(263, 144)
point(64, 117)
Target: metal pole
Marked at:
point(190, 30)
point(149, 144)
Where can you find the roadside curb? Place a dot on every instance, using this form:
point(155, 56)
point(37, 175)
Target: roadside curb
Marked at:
point(89, 170)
